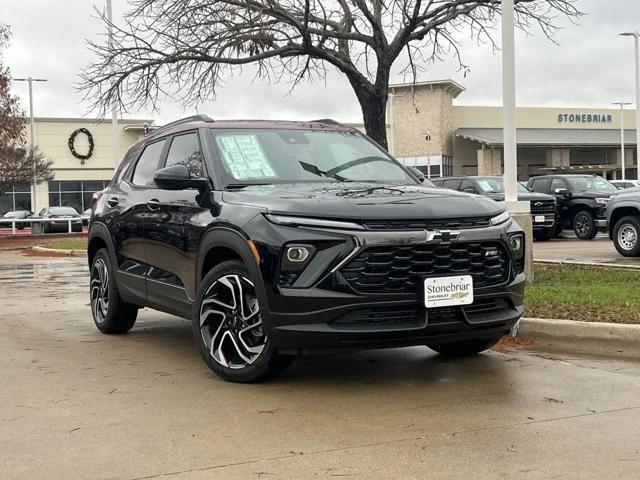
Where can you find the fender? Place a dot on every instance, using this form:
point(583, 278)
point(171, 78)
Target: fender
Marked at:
point(237, 242)
point(100, 230)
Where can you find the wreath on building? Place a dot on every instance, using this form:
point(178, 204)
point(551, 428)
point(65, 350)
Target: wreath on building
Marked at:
point(72, 146)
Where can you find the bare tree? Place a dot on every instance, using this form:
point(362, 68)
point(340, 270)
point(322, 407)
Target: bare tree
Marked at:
point(18, 164)
point(186, 47)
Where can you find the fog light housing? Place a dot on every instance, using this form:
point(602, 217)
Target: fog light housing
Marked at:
point(516, 245)
point(297, 254)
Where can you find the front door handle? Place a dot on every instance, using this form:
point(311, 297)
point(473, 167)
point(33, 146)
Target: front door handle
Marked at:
point(113, 201)
point(153, 204)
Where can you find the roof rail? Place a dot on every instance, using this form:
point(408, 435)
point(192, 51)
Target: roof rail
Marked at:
point(193, 118)
point(328, 121)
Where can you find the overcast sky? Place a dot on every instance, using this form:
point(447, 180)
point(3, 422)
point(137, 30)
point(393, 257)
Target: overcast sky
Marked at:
point(590, 66)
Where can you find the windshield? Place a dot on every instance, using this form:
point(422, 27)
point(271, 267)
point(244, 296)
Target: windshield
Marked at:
point(590, 183)
point(293, 156)
point(495, 185)
point(62, 211)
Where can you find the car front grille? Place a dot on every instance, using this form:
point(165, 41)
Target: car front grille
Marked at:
point(445, 224)
point(400, 268)
point(541, 207)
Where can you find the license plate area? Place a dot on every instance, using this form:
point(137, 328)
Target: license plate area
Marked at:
point(539, 219)
point(448, 291)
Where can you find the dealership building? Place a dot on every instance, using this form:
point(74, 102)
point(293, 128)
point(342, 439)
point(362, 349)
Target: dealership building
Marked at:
point(66, 141)
point(428, 127)
point(432, 130)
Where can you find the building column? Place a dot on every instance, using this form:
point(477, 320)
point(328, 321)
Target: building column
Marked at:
point(42, 196)
point(489, 161)
point(558, 157)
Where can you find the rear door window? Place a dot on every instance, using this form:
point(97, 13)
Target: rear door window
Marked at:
point(148, 164)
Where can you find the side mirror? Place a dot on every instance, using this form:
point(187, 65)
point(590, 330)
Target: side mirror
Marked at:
point(561, 191)
point(176, 177)
point(417, 173)
point(470, 190)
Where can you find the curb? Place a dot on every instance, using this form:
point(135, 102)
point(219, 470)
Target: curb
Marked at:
point(591, 338)
point(69, 253)
point(587, 264)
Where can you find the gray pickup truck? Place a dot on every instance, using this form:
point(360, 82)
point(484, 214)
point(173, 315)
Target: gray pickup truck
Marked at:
point(623, 222)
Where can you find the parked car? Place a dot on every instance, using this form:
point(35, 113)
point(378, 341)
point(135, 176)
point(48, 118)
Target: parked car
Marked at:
point(623, 222)
point(290, 238)
point(5, 220)
point(63, 213)
point(86, 216)
point(582, 201)
point(623, 184)
point(543, 207)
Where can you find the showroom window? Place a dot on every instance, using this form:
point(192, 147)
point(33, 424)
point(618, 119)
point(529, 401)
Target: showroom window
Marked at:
point(74, 193)
point(18, 198)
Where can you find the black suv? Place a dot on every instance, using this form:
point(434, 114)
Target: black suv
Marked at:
point(286, 238)
point(582, 201)
point(623, 221)
point(543, 207)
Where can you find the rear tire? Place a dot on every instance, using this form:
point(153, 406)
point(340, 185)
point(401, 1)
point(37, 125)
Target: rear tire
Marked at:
point(465, 348)
point(228, 329)
point(110, 313)
point(626, 236)
point(584, 226)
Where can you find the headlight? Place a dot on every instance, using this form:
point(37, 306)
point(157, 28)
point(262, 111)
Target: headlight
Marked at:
point(503, 217)
point(602, 201)
point(312, 222)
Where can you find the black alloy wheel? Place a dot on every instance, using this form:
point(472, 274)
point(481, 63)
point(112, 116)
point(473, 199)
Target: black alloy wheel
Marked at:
point(584, 226)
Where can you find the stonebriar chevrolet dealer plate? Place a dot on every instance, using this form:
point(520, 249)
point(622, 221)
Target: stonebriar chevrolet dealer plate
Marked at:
point(448, 291)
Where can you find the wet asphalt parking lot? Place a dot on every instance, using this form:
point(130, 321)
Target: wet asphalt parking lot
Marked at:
point(78, 404)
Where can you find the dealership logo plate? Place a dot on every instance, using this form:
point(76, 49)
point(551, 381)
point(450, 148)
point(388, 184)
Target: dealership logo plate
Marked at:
point(448, 291)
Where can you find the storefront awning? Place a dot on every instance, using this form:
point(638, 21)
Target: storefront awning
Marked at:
point(550, 137)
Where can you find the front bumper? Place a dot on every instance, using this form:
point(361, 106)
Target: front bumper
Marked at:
point(326, 315)
point(322, 330)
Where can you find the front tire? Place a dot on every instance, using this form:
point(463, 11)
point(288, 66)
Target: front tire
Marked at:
point(626, 236)
point(465, 348)
point(584, 226)
point(110, 313)
point(228, 329)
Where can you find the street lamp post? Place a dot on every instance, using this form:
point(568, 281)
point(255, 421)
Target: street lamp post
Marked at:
point(509, 102)
point(622, 143)
point(114, 105)
point(32, 144)
point(636, 36)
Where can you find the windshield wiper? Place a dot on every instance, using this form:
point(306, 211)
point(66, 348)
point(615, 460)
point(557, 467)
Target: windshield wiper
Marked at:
point(239, 186)
point(307, 167)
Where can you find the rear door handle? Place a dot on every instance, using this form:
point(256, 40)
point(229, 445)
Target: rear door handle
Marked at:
point(153, 204)
point(113, 201)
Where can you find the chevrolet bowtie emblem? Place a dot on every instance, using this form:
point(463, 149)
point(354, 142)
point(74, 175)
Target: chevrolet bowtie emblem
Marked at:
point(443, 236)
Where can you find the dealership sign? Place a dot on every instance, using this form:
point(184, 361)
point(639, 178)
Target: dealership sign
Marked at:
point(584, 118)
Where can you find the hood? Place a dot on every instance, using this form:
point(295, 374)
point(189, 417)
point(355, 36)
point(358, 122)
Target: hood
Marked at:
point(524, 196)
point(356, 201)
point(596, 194)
